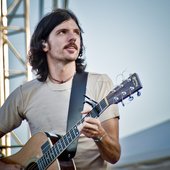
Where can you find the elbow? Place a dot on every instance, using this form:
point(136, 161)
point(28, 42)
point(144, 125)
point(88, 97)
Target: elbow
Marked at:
point(115, 159)
point(116, 156)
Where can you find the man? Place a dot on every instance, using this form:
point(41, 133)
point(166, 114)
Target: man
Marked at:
point(56, 54)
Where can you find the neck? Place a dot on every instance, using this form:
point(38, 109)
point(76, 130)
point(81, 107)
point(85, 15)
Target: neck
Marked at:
point(60, 81)
point(62, 74)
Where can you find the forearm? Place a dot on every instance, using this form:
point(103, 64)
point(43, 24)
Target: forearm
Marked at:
point(108, 145)
point(2, 165)
point(109, 149)
point(5, 166)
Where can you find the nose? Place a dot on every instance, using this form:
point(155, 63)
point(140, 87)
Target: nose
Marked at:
point(72, 37)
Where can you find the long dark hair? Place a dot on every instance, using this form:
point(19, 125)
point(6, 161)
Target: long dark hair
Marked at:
point(36, 56)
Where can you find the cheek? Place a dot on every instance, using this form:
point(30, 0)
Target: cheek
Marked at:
point(56, 46)
point(78, 44)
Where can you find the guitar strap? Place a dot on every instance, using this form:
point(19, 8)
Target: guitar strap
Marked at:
point(76, 106)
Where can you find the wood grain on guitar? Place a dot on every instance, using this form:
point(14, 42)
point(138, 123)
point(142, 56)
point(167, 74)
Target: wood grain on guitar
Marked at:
point(32, 152)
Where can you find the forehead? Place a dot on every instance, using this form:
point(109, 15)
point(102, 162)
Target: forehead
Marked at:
point(68, 24)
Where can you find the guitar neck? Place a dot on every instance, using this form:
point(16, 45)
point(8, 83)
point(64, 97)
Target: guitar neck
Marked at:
point(98, 109)
point(55, 151)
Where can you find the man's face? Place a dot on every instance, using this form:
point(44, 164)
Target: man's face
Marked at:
point(63, 44)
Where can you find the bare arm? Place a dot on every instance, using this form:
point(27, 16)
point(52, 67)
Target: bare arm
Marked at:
point(109, 146)
point(9, 166)
point(108, 132)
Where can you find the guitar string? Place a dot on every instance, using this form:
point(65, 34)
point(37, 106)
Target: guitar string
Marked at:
point(36, 163)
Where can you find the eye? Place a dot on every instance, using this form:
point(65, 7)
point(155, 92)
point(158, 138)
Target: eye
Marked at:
point(77, 31)
point(63, 31)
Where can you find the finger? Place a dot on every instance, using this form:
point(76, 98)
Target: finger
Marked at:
point(93, 121)
point(86, 111)
point(89, 133)
point(90, 126)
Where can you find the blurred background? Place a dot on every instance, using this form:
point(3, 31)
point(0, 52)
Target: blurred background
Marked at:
point(121, 37)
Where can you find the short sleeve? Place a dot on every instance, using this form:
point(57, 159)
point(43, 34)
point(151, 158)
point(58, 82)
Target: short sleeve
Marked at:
point(99, 86)
point(10, 111)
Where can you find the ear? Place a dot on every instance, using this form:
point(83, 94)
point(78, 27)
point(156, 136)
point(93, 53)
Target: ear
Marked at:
point(45, 46)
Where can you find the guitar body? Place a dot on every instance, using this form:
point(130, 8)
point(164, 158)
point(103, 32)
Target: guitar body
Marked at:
point(33, 150)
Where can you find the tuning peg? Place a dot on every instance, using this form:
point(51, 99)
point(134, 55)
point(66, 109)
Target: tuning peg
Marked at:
point(138, 93)
point(122, 103)
point(131, 98)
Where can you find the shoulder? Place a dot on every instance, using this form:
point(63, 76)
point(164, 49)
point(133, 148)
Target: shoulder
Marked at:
point(31, 85)
point(27, 88)
point(98, 86)
point(24, 90)
point(98, 75)
point(97, 79)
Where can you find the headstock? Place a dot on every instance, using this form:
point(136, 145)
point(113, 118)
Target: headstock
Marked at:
point(128, 87)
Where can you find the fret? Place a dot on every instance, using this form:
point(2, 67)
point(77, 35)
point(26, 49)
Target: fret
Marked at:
point(55, 149)
point(52, 153)
point(93, 113)
point(65, 140)
point(40, 164)
point(47, 158)
point(76, 131)
point(98, 109)
point(62, 143)
point(81, 121)
point(59, 146)
point(44, 162)
point(103, 104)
point(72, 134)
point(45, 147)
point(101, 107)
point(69, 137)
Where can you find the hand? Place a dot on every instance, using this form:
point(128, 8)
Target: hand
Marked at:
point(92, 128)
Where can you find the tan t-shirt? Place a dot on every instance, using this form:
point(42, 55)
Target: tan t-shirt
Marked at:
point(45, 107)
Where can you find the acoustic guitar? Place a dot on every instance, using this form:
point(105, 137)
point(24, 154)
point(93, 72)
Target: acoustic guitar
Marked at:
point(43, 151)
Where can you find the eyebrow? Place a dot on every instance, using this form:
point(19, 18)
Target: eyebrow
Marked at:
point(66, 29)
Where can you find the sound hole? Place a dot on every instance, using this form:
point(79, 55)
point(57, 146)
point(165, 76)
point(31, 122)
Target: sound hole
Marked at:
point(32, 166)
point(67, 165)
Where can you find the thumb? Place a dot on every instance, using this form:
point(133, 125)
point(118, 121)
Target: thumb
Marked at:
point(86, 111)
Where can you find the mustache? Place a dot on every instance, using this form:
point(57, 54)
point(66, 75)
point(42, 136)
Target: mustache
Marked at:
point(72, 44)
